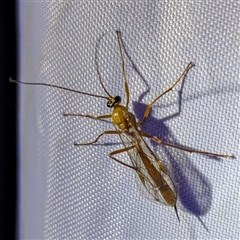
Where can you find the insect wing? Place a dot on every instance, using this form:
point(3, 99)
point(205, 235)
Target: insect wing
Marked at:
point(153, 175)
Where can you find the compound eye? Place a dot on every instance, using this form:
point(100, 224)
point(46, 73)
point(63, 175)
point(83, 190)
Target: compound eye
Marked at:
point(117, 99)
point(113, 101)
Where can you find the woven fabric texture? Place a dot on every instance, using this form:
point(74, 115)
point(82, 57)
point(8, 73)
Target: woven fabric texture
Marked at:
point(69, 192)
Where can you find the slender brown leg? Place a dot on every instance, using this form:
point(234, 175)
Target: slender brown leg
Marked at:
point(104, 133)
point(123, 70)
point(121, 151)
point(86, 115)
point(147, 111)
point(190, 150)
point(112, 153)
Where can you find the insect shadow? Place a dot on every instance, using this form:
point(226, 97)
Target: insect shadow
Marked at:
point(194, 189)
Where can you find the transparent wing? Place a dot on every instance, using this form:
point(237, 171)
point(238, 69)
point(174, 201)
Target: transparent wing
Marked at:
point(151, 172)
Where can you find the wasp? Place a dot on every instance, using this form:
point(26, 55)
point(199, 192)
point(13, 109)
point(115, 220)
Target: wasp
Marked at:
point(149, 168)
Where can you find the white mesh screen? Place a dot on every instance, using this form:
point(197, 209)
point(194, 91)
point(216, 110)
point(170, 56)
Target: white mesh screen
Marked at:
point(69, 192)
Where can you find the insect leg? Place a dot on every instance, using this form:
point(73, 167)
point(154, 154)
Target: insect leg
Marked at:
point(104, 133)
point(121, 151)
point(86, 115)
point(190, 150)
point(147, 111)
point(123, 70)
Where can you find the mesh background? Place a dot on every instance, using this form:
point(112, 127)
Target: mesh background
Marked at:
point(69, 192)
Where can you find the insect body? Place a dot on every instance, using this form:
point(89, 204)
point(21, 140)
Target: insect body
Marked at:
point(150, 170)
